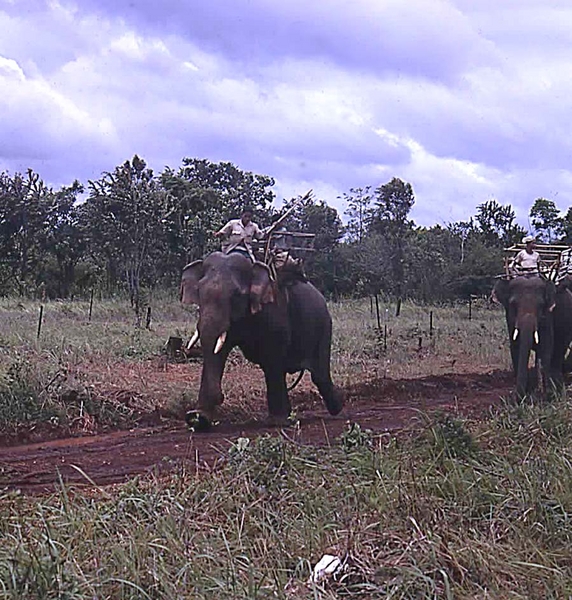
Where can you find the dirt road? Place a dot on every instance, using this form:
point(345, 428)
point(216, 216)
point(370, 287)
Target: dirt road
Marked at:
point(379, 405)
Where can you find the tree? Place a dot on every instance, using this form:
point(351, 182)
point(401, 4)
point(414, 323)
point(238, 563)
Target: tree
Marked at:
point(315, 216)
point(394, 201)
point(28, 212)
point(359, 212)
point(66, 241)
point(567, 227)
point(546, 219)
point(125, 213)
point(202, 196)
point(498, 224)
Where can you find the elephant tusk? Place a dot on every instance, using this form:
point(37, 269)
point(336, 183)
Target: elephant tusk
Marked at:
point(536, 339)
point(220, 342)
point(515, 334)
point(193, 340)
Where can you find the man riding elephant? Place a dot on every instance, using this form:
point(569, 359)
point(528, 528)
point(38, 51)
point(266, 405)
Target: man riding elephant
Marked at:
point(527, 261)
point(283, 326)
point(239, 233)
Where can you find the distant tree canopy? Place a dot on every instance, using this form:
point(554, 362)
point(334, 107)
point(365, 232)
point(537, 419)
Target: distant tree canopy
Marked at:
point(133, 230)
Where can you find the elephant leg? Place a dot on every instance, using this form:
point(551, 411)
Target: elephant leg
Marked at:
point(557, 362)
point(277, 393)
point(333, 397)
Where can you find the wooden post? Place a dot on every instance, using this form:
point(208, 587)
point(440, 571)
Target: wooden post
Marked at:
point(148, 318)
point(371, 306)
point(377, 313)
point(470, 307)
point(420, 342)
point(40, 321)
point(91, 304)
point(398, 307)
point(385, 338)
point(431, 324)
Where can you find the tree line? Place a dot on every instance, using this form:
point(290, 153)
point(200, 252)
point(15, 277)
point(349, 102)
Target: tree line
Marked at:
point(133, 230)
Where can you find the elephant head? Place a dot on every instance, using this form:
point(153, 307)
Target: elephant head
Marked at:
point(528, 304)
point(229, 289)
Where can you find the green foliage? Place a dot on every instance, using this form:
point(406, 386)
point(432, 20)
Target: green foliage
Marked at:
point(546, 219)
point(497, 224)
point(359, 212)
point(354, 437)
point(136, 231)
point(124, 213)
point(22, 397)
point(451, 437)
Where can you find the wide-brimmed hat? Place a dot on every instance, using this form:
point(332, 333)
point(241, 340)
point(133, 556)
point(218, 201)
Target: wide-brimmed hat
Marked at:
point(527, 239)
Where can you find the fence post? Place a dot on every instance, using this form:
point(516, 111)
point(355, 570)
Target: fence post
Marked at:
point(398, 307)
point(40, 321)
point(148, 319)
point(91, 304)
point(470, 307)
point(431, 324)
point(377, 313)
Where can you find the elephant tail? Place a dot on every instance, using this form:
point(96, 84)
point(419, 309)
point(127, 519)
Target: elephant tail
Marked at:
point(298, 379)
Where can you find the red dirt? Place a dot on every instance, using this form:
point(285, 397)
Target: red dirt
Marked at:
point(379, 405)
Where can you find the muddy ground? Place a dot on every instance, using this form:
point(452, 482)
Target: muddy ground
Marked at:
point(162, 441)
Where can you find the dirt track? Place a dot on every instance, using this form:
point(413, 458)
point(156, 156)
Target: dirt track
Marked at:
point(378, 405)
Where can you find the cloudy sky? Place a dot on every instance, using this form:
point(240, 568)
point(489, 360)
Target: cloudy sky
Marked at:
point(465, 99)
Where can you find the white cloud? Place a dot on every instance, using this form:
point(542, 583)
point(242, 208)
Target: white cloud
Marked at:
point(466, 100)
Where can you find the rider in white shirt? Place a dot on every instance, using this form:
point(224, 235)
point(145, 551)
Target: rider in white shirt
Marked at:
point(240, 233)
point(527, 261)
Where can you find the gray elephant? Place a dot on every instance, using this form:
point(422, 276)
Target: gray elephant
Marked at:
point(563, 326)
point(283, 326)
point(533, 309)
point(529, 303)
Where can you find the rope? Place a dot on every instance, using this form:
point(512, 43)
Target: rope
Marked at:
point(298, 379)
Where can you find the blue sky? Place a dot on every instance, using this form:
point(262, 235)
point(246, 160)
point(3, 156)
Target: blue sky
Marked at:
point(467, 100)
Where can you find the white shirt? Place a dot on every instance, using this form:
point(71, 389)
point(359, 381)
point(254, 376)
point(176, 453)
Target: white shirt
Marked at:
point(526, 262)
point(240, 235)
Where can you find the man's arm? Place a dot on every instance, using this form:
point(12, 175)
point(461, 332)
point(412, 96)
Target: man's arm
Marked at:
point(259, 234)
point(516, 260)
point(224, 231)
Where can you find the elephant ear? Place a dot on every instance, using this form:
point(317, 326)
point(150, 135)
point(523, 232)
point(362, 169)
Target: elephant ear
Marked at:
point(192, 273)
point(500, 292)
point(262, 289)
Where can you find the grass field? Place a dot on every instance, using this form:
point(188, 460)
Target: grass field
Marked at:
point(451, 507)
point(78, 367)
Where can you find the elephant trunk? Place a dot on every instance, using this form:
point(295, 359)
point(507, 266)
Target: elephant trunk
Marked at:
point(526, 339)
point(213, 332)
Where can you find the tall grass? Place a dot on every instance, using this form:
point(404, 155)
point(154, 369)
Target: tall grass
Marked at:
point(452, 509)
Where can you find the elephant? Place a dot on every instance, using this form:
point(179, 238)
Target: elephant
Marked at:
point(530, 305)
point(282, 324)
point(562, 326)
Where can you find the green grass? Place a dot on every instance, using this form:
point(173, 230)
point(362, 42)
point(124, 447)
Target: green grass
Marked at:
point(454, 509)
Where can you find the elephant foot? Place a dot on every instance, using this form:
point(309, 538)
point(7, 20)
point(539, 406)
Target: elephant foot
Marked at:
point(335, 401)
point(198, 421)
point(280, 421)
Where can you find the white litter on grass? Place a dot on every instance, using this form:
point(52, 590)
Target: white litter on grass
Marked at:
point(327, 566)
